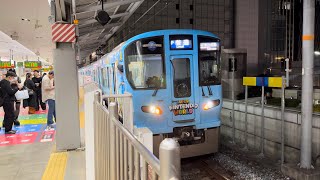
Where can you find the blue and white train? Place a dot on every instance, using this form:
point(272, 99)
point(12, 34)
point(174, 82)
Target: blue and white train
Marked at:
point(174, 77)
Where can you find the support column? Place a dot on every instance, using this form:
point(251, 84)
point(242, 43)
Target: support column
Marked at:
point(307, 82)
point(67, 97)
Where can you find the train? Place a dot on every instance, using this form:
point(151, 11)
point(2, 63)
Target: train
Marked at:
point(174, 77)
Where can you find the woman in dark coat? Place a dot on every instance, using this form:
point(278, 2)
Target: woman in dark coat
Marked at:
point(31, 102)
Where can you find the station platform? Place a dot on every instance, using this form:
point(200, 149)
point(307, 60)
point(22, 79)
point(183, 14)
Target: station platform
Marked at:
point(30, 153)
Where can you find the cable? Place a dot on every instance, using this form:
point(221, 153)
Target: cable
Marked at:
point(102, 5)
point(147, 11)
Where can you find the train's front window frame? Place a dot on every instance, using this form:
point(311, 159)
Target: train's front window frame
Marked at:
point(144, 63)
point(209, 61)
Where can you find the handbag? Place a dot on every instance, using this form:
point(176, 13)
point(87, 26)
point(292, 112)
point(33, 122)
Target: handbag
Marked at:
point(30, 91)
point(23, 94)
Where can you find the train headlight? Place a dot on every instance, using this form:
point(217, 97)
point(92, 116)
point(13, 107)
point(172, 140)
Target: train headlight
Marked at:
point(211, 104)
point(152, 109)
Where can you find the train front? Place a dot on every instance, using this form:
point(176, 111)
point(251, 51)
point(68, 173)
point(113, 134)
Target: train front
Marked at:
point(175, 79)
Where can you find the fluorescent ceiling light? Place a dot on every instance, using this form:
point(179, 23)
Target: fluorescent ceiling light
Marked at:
point(317, 53)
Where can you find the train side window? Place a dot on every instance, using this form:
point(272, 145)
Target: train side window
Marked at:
point(209, 61)
point(144, 63)
point(104, 77)
point(107, 77)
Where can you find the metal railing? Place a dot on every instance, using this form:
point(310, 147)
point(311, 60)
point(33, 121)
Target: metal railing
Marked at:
point(120, 156)
point(125, 108)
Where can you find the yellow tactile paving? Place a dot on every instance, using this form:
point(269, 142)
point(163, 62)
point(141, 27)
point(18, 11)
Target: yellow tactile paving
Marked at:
point(81, 106)
point(56, 166)
point(81, 119)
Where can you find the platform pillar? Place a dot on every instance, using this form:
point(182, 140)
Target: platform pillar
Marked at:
point(307, 83)
point(67, 97)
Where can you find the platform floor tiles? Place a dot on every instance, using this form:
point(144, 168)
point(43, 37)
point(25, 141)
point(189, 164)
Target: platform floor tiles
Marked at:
point(30, 154)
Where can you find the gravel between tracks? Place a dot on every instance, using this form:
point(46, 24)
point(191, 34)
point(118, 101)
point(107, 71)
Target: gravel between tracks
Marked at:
point(246, 166)
point(240, 165)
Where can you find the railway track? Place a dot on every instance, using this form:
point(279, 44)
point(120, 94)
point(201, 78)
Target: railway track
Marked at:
point(202, 168)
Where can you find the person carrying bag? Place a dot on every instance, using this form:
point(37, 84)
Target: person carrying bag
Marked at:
point(30, 88)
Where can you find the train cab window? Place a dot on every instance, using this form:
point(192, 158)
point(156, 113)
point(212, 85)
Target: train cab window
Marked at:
point(144, 63)
point(181, 77)
point(209, 61)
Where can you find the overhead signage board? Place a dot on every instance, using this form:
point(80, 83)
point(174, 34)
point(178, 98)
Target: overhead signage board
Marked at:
point(6, 64)
point(32, 64)
point(19, 64)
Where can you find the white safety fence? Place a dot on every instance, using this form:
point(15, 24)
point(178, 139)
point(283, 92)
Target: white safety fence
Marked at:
point(125, 108)
point(120, 156)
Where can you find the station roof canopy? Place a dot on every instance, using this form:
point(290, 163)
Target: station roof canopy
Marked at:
point(92, 35)
point(25, 30)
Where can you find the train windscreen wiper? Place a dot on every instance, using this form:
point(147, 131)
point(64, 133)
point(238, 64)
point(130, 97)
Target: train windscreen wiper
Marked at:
point(158, 85)
point(155, 91)
point(210, 91)
point(203, 94)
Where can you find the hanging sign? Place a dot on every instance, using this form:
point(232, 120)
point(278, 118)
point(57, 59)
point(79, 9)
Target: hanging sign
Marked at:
point(19, 64)
point(6, 64)
point(183, 107)
point(32, 64)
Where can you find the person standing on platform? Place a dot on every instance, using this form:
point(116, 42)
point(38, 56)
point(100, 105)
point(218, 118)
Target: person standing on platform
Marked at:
point(8, 94)
point(31, 101)
point(37, 81)
point(17, 105)
point(48, 96)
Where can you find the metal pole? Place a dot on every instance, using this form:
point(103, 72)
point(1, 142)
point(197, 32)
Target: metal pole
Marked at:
point(287, 72)
point(232, 94)
point(74, 7)
point(282, 118)
point(169, 153)
point(246, 117)
point(262, 121)
point(113, 109)
point(307, 82)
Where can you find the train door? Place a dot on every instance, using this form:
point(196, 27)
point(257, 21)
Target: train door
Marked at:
point(183, 99)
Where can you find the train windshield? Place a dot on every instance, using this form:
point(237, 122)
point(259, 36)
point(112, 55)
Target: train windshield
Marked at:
point(209, 61)
point(145, 64)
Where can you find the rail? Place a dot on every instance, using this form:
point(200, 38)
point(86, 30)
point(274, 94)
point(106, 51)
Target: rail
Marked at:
point(120, 156)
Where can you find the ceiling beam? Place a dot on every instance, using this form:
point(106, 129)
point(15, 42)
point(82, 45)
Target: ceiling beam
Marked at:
point(96, 27)
point(91, 21)
point(90, 31)
point(106, 5)
point(88, 47)
point(131, 10)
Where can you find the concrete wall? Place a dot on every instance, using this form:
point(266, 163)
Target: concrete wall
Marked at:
point(272, 130)
point(247, 31)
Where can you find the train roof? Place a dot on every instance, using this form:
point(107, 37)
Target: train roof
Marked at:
point(150, 34)
point(170, 32)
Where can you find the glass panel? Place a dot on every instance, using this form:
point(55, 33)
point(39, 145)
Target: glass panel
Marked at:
point(108, 77)
point(144, 64)
point(209, 61)
point(105, 77)
point(181, 79)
